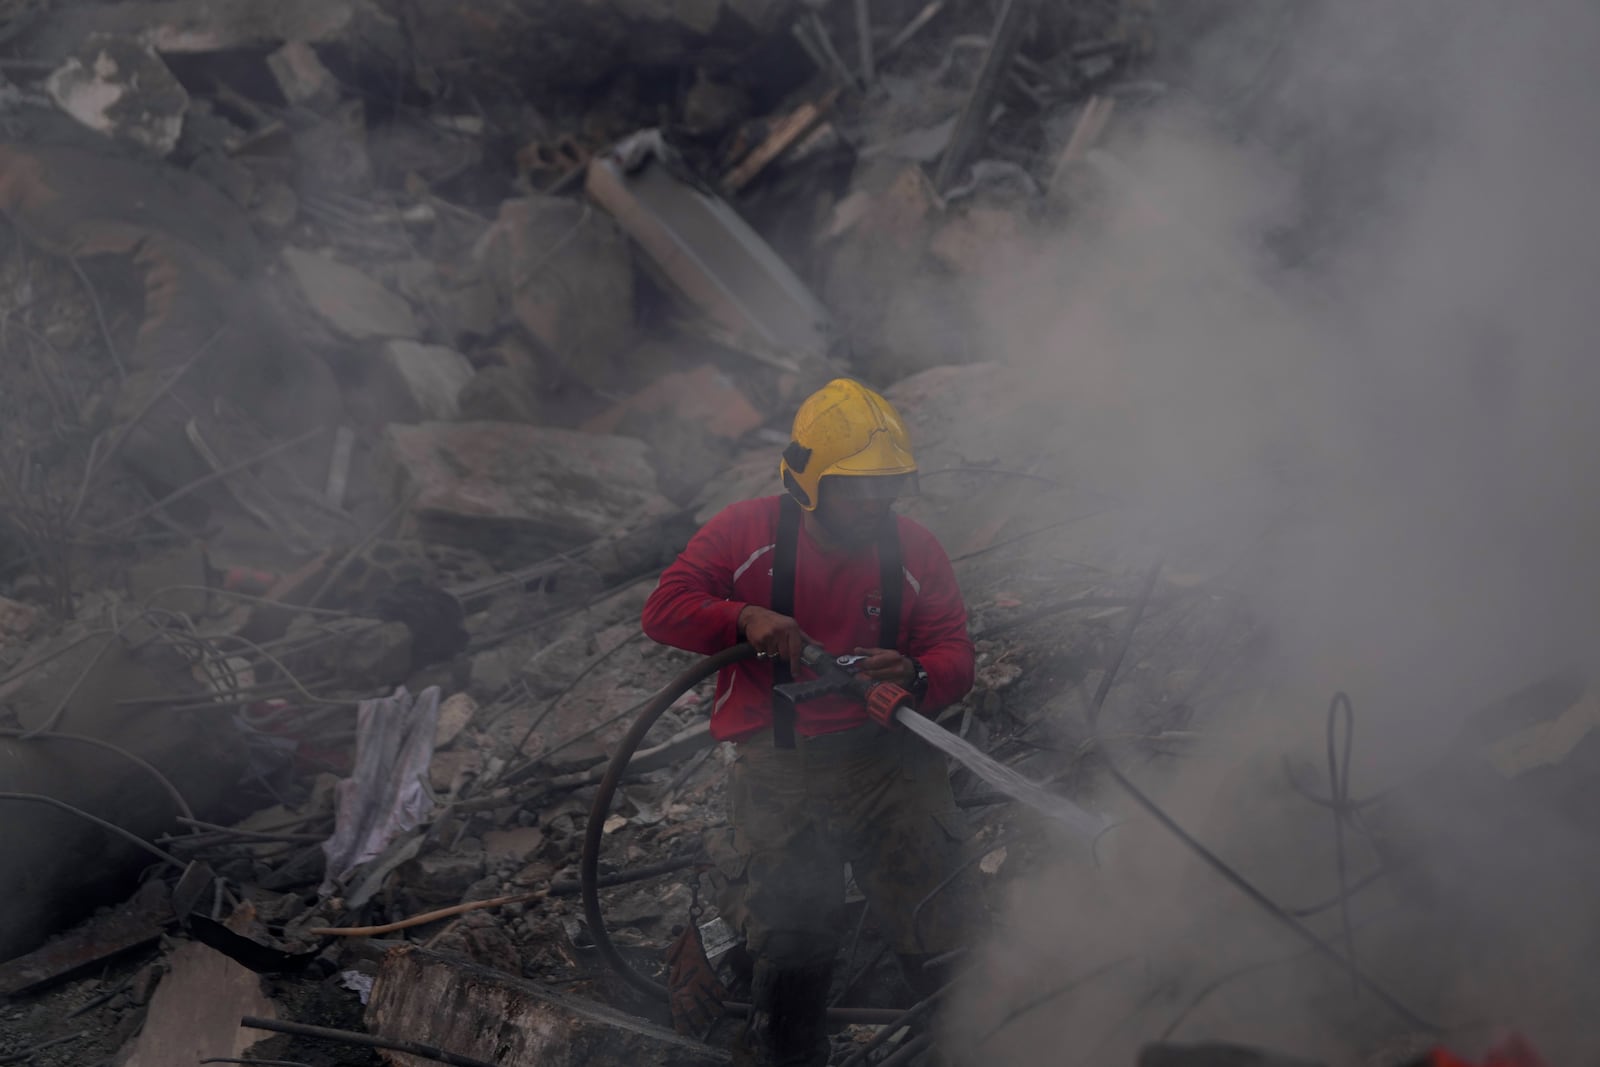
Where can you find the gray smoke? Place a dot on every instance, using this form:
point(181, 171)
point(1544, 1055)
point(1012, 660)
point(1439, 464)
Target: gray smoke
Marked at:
point(1329, 312)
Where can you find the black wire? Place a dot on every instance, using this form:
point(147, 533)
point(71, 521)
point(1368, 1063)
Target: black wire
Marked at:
point(1344, 895)
point(1350, 806)
point(949, 880)
point(1046, 997)
point(1215, 862)
point(1339, 788)
point(1222, 980)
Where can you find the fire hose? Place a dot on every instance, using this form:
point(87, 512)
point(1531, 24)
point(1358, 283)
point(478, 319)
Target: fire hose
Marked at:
point(589, 864)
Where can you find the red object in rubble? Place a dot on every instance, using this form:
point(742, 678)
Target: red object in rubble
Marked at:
point(1514, 1051)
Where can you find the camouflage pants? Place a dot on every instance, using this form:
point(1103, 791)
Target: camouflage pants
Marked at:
point(876, 799)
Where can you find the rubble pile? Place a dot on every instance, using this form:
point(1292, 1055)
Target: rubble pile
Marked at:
point(364, 363)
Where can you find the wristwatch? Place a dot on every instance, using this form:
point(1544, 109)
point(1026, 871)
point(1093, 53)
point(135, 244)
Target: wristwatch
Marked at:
point(919, 681)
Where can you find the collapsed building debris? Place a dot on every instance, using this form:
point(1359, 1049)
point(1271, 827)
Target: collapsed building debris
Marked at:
point(425, 358)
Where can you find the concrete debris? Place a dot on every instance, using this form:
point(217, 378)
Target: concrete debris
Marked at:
point(704, 395)
point(195, 1011)
point(564, 272)
point(441, 878)
point(426, 379)
point(519, 846)
point(176, 27)
point(474, 1011)
point(137, 922)
point(347, 299)
point(709, 253)
point(124, 91)
point(302, 77)
point(978, 240)
point(367, 653)
point(519, 492)
point(406, 435)
point(454, 715)
point(56, 860)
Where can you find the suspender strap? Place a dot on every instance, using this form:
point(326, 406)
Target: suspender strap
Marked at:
point(783, 557)
point(890, 583)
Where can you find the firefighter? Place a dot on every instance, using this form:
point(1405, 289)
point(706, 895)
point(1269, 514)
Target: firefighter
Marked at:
point(821, 785)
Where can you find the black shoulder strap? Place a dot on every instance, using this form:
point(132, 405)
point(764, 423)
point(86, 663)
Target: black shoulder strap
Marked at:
point(783, 569)
point(890, 583)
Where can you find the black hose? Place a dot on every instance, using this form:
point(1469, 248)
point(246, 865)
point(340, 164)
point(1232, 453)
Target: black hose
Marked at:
point(589, 864)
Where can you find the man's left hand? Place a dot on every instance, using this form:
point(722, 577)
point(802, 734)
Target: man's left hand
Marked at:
point(886, 665)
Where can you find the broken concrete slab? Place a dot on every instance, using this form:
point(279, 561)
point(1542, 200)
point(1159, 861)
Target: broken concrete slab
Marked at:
point(500, 393)
point(194, 254)
point(704, 395)
point(426, 380)
point(123, 90)
point(179, 27)
point(302, 77)
point(195, 1011)
point(520, 845)
point(138, 922)
point(709, 253)
point(356, 306)
point(975, 242)
point(454, 714)
point(437, 879)
point(566, 273)
point(517, 491)
point(475, 1011)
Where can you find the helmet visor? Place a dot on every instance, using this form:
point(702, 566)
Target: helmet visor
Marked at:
point(869, 486)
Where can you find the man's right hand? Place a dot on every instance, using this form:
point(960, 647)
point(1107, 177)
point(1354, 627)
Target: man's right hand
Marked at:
point(772, 635)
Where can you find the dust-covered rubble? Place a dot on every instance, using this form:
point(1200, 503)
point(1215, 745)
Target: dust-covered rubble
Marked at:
point(426, 332)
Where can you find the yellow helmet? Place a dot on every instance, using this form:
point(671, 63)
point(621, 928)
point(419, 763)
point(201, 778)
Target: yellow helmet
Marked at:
point(844, 429)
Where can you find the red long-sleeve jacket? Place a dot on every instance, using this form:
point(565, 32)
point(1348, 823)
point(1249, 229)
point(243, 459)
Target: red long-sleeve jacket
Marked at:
point(728, 564)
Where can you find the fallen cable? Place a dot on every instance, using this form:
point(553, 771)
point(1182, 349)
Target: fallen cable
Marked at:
point(55, 735)
point(220, 474)
point(93, 466)
point(559, 697)
point(54, 717)
point(1044, 998)
point(127, 835)
point(962, 868)
point(1339, 790)
point(1215, 862)
point(350, 1037)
